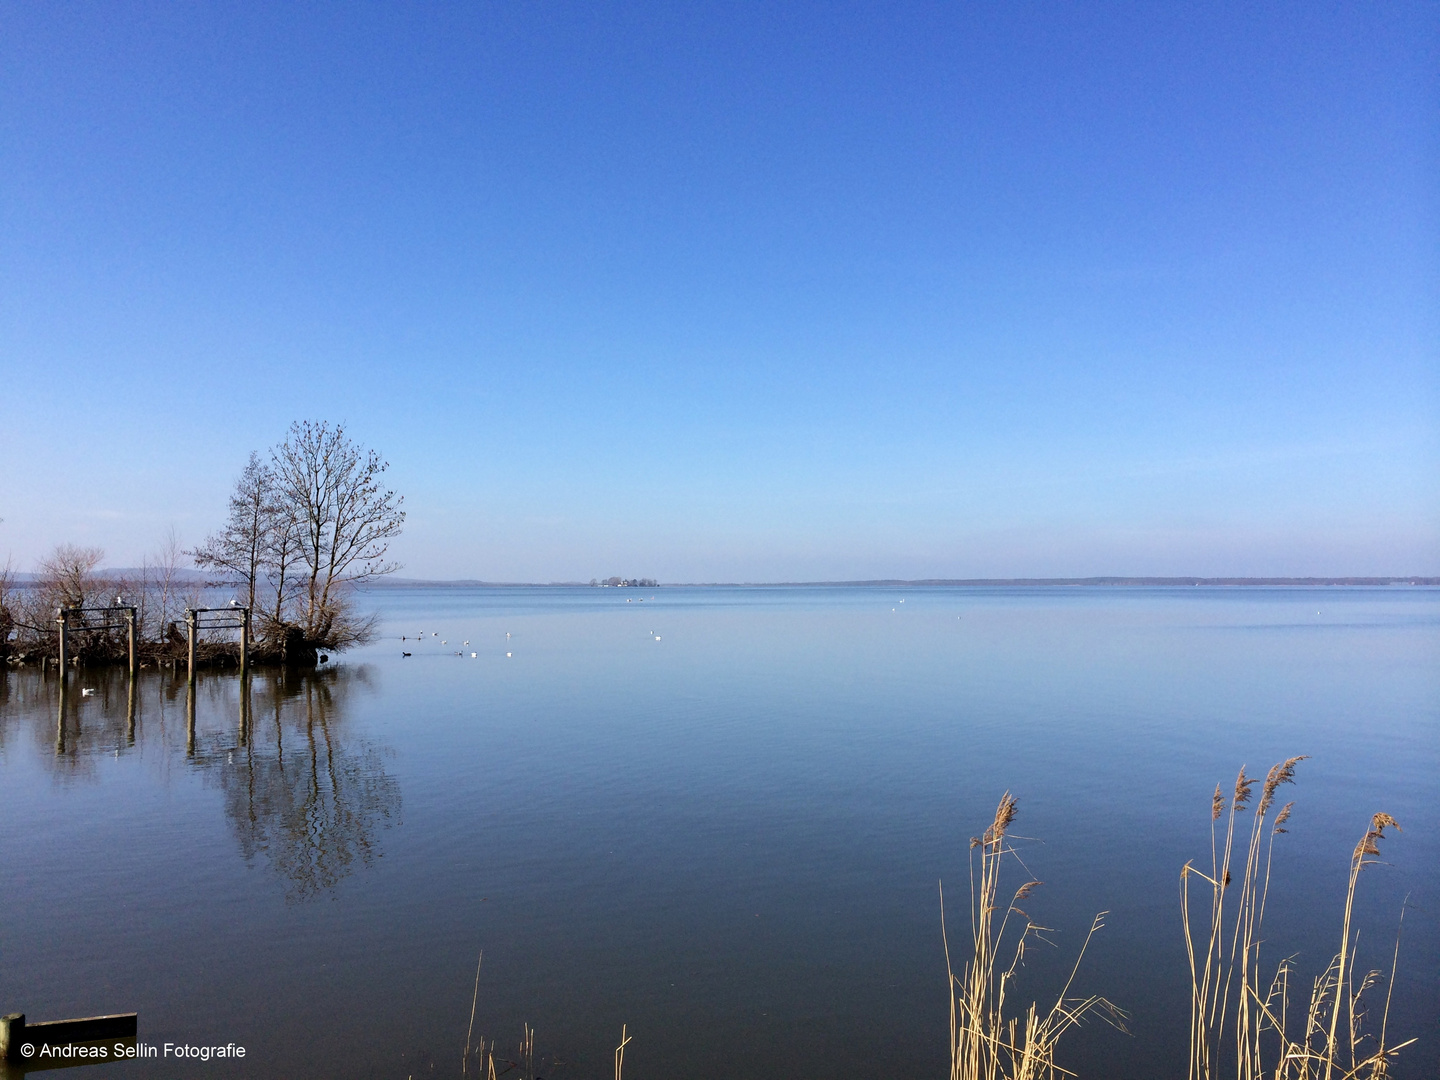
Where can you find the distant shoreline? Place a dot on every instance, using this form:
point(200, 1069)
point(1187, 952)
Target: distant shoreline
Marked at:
point(1153, 582)
point(188, 577)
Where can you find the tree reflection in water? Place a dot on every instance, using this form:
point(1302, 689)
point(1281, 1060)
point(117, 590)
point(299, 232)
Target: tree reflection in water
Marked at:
point(299, 790)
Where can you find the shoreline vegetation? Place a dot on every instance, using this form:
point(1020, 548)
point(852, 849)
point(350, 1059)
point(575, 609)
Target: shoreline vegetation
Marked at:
point(307, 524)
point(1243, 1019)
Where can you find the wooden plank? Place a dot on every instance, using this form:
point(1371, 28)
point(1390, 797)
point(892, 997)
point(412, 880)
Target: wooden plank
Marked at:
point(68, 1057)
point(15, 1032)
point(86, 1029)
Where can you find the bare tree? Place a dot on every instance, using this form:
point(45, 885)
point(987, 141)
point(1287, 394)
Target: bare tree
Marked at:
point(345, 517)
point(67, 574)
point(161, 572)
point(240, 547)
point(282, 557)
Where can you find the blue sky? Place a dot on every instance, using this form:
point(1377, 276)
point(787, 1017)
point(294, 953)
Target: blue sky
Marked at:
point(736, 291)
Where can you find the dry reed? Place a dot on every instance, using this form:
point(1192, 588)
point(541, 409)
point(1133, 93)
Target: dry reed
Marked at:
point(483, 1053)
point(985, 1043)
point(1231, 1009)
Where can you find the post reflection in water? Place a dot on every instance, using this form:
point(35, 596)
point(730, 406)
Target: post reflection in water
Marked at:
point(312, 808)
point(299, 791)
point(190, 718)
point(60, 722)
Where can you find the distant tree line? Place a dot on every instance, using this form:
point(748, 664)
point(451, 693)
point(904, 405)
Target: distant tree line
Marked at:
point(616, 582)
point(306, 524)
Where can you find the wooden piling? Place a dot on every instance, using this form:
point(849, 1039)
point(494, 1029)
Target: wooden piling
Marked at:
point(191, 631)
point(130, 639)
point(12, 1030)
point(244, 640)
point(62, 619)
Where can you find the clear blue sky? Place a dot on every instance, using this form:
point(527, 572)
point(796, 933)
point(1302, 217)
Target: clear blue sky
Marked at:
point(736, 291)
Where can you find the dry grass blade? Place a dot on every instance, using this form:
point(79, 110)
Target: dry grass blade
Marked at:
point(474, 999)
point(620, 1052)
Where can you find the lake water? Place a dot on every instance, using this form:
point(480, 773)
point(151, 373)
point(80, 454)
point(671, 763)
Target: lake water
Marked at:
point(718, 816)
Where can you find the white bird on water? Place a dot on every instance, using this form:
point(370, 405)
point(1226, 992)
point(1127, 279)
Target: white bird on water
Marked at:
point(88, 692)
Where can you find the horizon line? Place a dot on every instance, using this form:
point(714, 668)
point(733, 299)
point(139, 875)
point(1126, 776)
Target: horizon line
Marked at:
point(1096, 580)
point(22, 578)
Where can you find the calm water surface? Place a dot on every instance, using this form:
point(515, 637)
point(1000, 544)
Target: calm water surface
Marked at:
point(718, 816)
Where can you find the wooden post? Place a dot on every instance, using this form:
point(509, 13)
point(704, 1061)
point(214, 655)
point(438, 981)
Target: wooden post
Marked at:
point(244, 640)
point(12, 1032)
point(130, 638)
point(62, 618)
point(190, 629)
